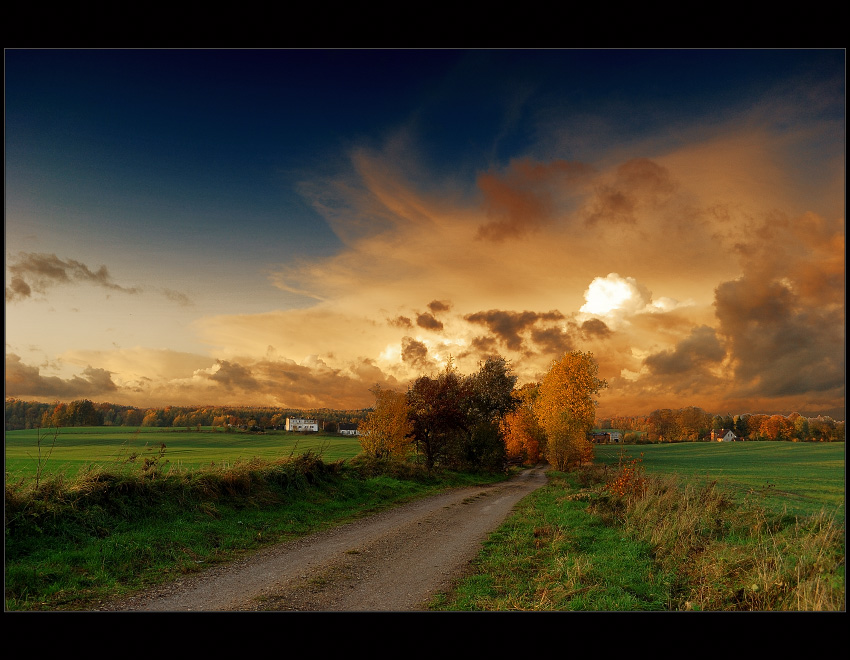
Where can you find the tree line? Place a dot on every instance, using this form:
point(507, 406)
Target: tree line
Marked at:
point(31, 414)
point(692, 424)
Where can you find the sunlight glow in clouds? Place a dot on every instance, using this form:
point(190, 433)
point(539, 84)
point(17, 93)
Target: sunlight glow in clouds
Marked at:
point(614, 298)
point(606, 294)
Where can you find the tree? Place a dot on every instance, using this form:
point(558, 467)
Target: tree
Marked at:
point(488, 397)
point(566, 408)
point(385, 431)
point(436, 414)
point(524, 437)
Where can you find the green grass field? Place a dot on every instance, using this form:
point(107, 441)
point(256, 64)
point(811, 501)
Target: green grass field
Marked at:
point(804, 477)
point(109, 446)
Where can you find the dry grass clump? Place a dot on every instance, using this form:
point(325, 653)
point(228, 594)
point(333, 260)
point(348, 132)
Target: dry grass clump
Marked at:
point(730, 555)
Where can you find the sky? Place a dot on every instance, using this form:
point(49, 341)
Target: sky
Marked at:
point(290, 228)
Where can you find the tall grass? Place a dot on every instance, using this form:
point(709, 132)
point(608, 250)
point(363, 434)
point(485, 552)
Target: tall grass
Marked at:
point(617, 539)
point(729, 555)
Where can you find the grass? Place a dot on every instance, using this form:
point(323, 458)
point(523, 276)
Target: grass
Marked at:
point(73, 542)
point(108, 447)
point(695, 526)
point(802, 478)
point(622, 538)
point(554, 555)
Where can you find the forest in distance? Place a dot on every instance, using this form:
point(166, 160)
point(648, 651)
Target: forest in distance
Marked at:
point(663, 425)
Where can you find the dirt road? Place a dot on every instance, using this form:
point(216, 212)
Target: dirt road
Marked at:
point(393, 561)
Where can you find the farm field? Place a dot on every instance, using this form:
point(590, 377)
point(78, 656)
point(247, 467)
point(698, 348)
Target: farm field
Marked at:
point(803, 477)
point(108, 446)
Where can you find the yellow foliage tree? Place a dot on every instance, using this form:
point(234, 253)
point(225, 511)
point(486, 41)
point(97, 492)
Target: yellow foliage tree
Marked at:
point(566, 408)
point(385, 431)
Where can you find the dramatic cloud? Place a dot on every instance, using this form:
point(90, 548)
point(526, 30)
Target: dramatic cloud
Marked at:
point(26, 381)
point(702, 346)
point(784, 317)
point(700, 259)
point(509, 326)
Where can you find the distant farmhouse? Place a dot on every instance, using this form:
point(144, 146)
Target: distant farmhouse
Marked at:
point(723, 435)
point(298, 424)
point(604, 437)
point(348, 429)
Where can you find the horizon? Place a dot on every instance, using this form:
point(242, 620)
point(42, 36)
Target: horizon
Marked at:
point(293, 227)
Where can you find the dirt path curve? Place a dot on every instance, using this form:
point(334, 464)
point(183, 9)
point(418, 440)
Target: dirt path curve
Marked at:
point(392, 561)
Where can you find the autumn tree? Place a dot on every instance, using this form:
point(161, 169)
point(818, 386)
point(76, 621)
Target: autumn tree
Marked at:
point(524, 437)
point(385, 431)
point(566, 408)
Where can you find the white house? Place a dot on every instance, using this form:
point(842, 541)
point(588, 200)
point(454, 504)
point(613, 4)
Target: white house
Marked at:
point(298, 424)
point(723, 435)
point(348, 429)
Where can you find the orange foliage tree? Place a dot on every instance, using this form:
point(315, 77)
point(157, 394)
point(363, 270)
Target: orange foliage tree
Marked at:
point(524, 438)
point(566, 408)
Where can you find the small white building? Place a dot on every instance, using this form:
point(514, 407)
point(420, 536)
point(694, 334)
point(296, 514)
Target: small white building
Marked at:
point(723, 435)
point(348, 429)
point(298, 424)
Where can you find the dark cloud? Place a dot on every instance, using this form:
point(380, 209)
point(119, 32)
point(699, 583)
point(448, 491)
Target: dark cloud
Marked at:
point(401, 322)
point(508, 326)
point(24, 380)
point(414, 353)
point(233, 376)
point(639, 183)
point(439, 306)
point(34, 272)
point(428, 322)
point(18, 289)
point(485, 345)
point(595, 328)
point(701, 347)
point(783, 319)
point(780, 345)
point(180, 298)
point(551, 341)
point(523, 198)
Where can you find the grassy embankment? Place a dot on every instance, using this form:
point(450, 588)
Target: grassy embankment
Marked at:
point(80, 534)
point(634, 535)
point(111, 526)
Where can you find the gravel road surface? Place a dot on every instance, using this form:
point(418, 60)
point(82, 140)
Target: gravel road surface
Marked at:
point(395, 560)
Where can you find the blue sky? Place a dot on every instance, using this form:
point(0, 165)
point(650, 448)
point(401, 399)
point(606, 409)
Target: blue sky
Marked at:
point(290, 227)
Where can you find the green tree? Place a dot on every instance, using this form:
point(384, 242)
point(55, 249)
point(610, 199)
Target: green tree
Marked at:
point(488, 397)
